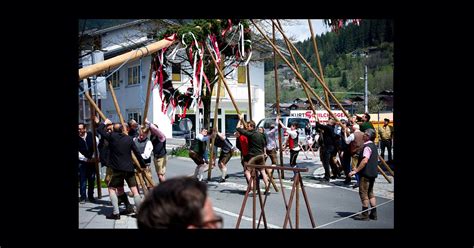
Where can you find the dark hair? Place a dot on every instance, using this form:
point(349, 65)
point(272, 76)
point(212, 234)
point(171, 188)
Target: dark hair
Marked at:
point(83, 125)
point(252, 123)
point(176, 203)
point(367, 116)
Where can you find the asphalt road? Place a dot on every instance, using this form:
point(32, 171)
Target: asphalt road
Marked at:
point(329, 202)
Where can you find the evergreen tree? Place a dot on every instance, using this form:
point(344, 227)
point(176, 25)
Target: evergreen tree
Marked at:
point(344, 80)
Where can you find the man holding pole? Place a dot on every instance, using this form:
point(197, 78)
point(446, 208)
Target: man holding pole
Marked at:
point(227, 149)
point(256, 152)
point(158, 139)
point(196, 153)
point(120, 158)
point(145, 147)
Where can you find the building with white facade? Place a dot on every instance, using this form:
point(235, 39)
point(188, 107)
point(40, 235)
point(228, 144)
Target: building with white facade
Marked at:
point(130, 82)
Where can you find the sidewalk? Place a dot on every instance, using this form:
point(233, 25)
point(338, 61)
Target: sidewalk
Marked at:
point(92, 215)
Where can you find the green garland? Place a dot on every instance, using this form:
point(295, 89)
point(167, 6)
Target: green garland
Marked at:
point(201, 28)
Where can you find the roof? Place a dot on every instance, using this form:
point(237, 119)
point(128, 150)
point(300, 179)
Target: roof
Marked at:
point(358, 99)
point(95, 31)
point(285, 105)
point(301, 106)
point(387, 92)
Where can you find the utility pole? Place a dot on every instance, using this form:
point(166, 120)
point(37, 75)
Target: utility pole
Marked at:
point(366, 95)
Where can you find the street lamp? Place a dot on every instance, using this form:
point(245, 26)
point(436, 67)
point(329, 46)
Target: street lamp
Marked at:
point(366, 98)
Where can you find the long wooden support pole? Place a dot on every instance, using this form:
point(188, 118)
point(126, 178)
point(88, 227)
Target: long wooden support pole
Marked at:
point(148, 91)
point(248, 90)
point(316, 51)
point(96, 154)
point(215, 127)
point(138, 174)
point(316, 75)
point(277, 96)
point(303, 81)
point(297, 68)
point(116, 61)
point(386, 166)
point(221, 75)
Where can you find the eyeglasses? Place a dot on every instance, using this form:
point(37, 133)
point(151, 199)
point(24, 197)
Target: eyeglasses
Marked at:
point(216, 223)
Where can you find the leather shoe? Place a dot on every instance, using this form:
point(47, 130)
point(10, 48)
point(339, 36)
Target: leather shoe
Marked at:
point(127, 211)
point(113, 216)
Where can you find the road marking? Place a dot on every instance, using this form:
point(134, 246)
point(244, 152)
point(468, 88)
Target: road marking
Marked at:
point(379, 192)
point(287, 184)
point(222, 211)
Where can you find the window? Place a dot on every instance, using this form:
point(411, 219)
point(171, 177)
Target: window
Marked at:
point(115, 79)
point(214, 90)
point(242, 75)
point(134, 75)
point(301, 122)
point(176, 72)
point(219, 124)
point(136, 116)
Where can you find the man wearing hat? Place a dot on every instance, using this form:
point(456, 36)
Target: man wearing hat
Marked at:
point(386, 135)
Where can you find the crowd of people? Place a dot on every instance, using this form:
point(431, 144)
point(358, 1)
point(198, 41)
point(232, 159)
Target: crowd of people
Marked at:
point(345, 146)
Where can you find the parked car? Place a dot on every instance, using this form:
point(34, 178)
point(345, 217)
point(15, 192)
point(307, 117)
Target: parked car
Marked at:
point(302, 122)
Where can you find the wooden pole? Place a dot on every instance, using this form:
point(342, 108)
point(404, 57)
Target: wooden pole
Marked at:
point(283, 194)
point(277, 96)
point(147, 176)
point(243, 205)
point(215, 126)
point(316, 75)
point(148, 91)
point(386, 166)
point(310, 213)
point(130, 56)
point(86, 94)
point(315, 46)
point(248, 87)
point(297, 202)
point(262, 208)
point(297, 69)
point(303, 81)
point(225, 84)
point(383, 174)
point(290, 201)
point(138, 174)
point(94, 144)
point(254, 203)
point(270, 176)
point(104, 117)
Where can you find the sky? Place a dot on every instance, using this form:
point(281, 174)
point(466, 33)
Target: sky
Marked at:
point(301, 30)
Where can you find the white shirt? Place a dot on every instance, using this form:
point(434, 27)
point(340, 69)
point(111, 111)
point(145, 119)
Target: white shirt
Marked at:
point(148, 149)
point(351, 138)
point(201, 137)
point(81, 156)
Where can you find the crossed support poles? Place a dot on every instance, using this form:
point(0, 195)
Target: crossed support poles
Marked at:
point(307, 88)
point(297, 183)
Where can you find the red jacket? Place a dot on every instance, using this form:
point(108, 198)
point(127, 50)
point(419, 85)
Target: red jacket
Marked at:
point(244, 145)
